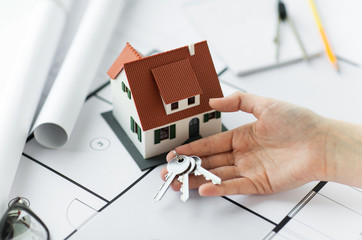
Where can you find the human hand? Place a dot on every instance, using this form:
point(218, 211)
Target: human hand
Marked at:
point(283, 149)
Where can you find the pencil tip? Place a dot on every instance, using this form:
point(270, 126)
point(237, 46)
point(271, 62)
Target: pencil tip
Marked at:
point(336, 67)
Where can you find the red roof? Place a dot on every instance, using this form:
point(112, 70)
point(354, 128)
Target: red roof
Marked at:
point(128, 54)
point(147, 94)
point(172, 78)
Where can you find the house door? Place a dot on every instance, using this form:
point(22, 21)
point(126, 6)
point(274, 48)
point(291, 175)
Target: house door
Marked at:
point(194, 128)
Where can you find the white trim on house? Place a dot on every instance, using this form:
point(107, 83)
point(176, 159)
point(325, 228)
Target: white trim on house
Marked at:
point(182, 105)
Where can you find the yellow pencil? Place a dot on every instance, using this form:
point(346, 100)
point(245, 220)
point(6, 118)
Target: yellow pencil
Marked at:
point(332, 58)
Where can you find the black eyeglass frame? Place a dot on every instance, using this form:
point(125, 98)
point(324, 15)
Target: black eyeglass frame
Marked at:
point(18, 205)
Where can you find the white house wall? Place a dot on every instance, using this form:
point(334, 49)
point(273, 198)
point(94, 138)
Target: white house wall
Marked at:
point(213, 126)
point(124, 108)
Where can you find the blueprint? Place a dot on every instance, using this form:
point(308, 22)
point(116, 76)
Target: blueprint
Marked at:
point(92, 183)
point(93, 172)
point(91, 188)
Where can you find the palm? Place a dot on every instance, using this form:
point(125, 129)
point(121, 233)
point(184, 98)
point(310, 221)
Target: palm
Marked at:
point(281, 150)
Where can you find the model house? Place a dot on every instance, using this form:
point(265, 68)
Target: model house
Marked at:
point(162, 101)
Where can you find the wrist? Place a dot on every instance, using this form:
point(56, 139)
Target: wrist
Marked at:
point(343, 153)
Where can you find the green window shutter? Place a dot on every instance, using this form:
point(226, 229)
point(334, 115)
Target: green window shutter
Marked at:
point(132, 124)
point(139, 133)
point(123, 87)
point(172, 131)
point(157, 136)
point(206, 117)
point(218, 114)
point(129, 94)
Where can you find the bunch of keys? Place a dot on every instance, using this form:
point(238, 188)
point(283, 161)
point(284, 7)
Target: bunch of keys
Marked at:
point(183, 166)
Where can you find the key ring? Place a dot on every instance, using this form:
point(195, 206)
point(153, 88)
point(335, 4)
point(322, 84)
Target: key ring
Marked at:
point(180, 159)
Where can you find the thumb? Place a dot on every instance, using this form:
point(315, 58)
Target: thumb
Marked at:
point(245, 102)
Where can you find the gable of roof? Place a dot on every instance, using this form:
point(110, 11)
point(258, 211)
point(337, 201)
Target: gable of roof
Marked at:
point(146, 93)
point(176, 81)
point(128, 54)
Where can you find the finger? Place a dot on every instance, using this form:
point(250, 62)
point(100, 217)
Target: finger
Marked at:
point(163, 173)
point(225, 173)
point(171, 154)
point(218, 160)
point(229, 187)
point(218, 143)
point(213, 162)
point(245, 102)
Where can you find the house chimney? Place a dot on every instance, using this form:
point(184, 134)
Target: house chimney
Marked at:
point(192, 49)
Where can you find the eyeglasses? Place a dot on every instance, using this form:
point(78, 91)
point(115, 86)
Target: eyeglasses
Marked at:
point(19, 222)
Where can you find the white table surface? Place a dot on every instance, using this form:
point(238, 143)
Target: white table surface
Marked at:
point(162, 25)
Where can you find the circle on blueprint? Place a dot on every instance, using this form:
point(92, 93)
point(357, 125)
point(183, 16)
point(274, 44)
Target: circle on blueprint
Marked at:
point(100, 144)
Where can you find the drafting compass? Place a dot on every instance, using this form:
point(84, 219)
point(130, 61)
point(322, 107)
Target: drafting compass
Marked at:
point(283, 17)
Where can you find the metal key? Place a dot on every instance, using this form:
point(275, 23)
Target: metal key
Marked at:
point(199, 170)
point(184, 179)
point(176, 166)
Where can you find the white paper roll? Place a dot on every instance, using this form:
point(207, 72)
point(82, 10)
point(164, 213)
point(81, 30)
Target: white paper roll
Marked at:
point(24, 88)
point(65, 100)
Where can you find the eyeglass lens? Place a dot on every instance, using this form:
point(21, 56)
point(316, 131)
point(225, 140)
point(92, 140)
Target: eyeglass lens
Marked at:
point(21, 224)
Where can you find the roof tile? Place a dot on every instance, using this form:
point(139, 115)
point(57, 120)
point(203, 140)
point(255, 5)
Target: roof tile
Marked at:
point(146, 94)
point(128, 54)
point(176, 81)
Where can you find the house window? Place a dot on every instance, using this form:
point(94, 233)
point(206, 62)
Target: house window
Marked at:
point(208, 116)
point(172, 131)
point(126, 90)
point(136, 129)
point(132, 124)
point(139, 133)
point(168, 132)
point(174, 105)
point(212, 115)
point(191, 100)
point(164, 133)
point(123, 87)
point(218, 114)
